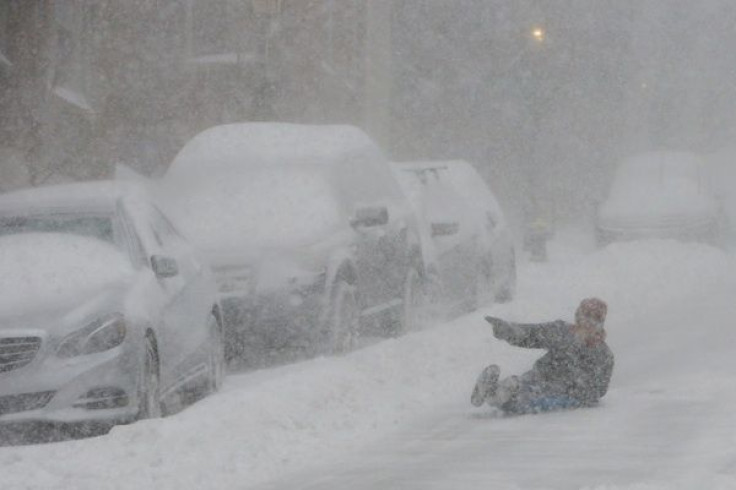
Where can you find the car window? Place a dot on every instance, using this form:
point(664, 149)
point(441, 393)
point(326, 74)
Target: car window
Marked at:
point(281, 206)
point(95, 226)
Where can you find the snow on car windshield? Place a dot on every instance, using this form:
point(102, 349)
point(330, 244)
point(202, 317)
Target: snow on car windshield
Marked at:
point(44, 270)
point(96, 226)
point(265, 207)
point(656, 183)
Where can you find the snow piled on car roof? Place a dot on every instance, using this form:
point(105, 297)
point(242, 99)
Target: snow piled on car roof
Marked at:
point(269, 207)
point(233, 145)
point(48, 270)
point(252, 185)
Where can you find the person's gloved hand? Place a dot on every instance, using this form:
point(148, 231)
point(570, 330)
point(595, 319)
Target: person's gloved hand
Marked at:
point(501, 328)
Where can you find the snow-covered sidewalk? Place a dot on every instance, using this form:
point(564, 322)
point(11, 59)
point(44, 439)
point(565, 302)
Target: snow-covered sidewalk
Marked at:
point(668, 325)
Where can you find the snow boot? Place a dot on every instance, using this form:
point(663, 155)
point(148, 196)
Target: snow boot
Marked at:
point(486, 385)
point(505, 390)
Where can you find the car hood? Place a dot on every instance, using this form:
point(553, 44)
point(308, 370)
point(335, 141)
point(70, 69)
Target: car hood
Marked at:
point(48, 272)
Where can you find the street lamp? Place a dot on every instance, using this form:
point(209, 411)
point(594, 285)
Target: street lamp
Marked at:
point(538, 34)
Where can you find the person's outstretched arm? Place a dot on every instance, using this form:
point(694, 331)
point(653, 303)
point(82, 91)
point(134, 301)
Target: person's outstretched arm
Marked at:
point(530, 335)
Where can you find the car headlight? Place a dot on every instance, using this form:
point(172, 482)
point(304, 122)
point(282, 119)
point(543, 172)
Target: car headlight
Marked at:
point(102, 334)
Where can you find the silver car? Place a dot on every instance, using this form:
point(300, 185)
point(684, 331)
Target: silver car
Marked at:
point(106, 315)
point(466, 243)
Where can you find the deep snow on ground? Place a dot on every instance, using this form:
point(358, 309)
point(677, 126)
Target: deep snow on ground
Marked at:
point(666, 423)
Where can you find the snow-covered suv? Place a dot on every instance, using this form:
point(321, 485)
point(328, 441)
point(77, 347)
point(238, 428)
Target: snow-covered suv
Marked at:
point(306, 229)
point(466, 244)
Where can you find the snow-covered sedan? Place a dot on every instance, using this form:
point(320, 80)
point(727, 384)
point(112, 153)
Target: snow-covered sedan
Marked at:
point(106, 315)
point(660, 195)
point(307, 230)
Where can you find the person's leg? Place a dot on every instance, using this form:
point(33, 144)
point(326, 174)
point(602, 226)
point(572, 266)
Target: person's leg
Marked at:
point(508, 390)
point(534, 395)
point(519, 393)
point(486, 385)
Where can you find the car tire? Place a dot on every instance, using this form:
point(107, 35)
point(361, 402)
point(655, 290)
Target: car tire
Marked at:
point(341, 325)
point(408, 317)
point(216, 360)
point(149, 395)
point(484, 291)
point(508, 289)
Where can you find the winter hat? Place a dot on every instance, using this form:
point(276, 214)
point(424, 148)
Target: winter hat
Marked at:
point(592, 311)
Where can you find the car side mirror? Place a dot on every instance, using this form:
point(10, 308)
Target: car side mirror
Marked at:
point(369, 217)
point(164, 267)
point(445, 229)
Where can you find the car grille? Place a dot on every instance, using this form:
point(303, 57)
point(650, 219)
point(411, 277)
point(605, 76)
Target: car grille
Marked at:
point(16, 352)
point(24, 402)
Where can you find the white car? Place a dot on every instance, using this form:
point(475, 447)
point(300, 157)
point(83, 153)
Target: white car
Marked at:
point(465, 241)
point(106, 314)
point(660, 195)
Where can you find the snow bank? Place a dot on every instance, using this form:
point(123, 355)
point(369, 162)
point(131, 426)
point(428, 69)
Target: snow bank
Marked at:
point(269, 423)
point(631, 277)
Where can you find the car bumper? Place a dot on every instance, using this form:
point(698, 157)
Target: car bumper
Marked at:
point(274, 319)
point(95, 388)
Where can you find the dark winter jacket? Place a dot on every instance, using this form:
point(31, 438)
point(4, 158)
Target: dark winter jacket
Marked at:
point(571, 367)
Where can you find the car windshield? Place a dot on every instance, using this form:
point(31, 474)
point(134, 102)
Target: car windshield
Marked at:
point(94, 226)
point(266, 207)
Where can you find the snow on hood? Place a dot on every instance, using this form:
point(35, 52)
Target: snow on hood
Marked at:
point(658, 188)
point(257, 208)
point(43, 271)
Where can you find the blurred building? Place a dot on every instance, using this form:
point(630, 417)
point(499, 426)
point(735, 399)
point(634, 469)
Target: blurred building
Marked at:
point(86, 84)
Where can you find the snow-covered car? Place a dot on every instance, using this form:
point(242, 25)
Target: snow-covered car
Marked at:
point(106, 314)
point(307, 230)
point(466, 244)
point(660, 195)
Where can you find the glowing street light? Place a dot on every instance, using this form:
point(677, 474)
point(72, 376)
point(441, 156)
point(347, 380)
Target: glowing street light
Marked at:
point(538, 34)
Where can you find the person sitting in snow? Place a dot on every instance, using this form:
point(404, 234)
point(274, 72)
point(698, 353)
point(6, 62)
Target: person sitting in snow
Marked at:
point(574, 372)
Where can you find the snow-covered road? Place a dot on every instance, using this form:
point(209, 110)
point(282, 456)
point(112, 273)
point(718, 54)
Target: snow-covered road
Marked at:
point(396, 414)
point(670, 426)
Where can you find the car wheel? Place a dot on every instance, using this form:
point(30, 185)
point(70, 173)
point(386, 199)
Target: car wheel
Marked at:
point(216, 356)
point(433, 306)
point(409, 316)
point(507, 291)
point(341, 324)
point(149, 396)
point(483, 285)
